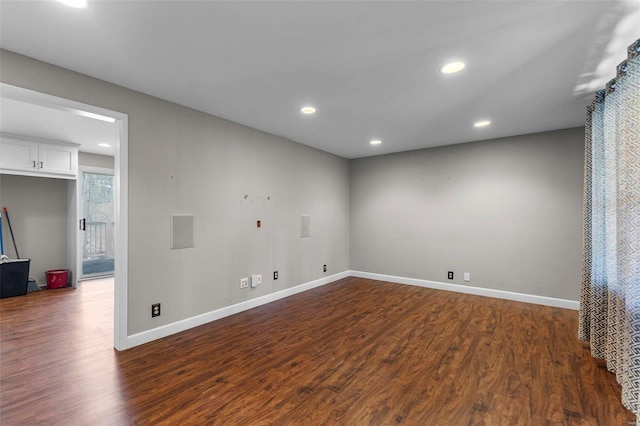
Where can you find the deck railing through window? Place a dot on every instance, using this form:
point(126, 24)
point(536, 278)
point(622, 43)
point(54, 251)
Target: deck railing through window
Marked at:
point(98, 239)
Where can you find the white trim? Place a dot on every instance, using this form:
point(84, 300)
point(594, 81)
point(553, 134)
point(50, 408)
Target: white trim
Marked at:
point(185, 324)
point(24, 138)
point(121, 177)
point(72, 230)
point(479, 291)
point(96, 170)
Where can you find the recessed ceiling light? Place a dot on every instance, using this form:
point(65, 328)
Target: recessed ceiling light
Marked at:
point(307, 110)
point(74, 3)
point(375, 142)
point(104, 145)
point(452, 67)
point(481, 123)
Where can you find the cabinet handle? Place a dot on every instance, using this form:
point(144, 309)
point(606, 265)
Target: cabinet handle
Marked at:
point(41, 164)
point(34, 163)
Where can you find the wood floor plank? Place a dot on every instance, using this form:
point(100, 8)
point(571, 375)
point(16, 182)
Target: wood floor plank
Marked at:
point(353, 352)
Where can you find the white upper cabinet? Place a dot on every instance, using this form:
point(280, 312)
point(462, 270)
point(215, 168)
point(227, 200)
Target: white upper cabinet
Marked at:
point(60, 159)
point(22, 156)
point(18, 155)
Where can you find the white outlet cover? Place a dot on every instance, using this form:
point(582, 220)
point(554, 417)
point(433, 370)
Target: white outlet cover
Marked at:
point(255, 280)
point(244, 282)
point(467, 276)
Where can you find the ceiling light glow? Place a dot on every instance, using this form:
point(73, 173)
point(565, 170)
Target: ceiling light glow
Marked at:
point(307, 110)
point(375, 142)
point(453, 67)
point(104, 145)
point(482, 123)
point(74, 3)
point(93, 115)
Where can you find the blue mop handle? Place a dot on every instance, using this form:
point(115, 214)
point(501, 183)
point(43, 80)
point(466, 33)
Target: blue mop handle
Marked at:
point(1, 240)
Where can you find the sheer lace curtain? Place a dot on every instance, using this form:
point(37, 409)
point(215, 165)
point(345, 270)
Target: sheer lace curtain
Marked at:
point(610, 294)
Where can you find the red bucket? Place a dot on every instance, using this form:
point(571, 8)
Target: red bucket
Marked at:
point(57, 278)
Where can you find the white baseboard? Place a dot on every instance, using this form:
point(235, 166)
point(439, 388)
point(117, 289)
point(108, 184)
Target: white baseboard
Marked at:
point(182, 325)
point(185, 324)
point(500, 294)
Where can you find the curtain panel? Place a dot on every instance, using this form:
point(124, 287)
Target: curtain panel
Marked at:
point(610, 288)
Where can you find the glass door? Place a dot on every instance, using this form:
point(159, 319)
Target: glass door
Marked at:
point(96, 223)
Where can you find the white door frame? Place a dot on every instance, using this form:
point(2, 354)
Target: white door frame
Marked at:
point(79, 235)
point(121, 181)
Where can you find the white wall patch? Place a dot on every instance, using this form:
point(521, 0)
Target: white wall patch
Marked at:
point(181, 231)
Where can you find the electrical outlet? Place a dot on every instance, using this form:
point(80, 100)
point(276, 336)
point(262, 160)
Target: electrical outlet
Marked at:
point(155, 310)
point(244, 282)
point(450, 275)
point(275, 275)
point(467, 276)
point(324, 268)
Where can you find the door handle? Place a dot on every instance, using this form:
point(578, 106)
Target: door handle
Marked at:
point(82, 224)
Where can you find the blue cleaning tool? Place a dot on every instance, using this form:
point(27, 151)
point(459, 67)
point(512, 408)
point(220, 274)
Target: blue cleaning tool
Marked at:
point(1, 241)
point(15, 247)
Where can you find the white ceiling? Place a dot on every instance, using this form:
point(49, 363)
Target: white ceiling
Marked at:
point(370, 68)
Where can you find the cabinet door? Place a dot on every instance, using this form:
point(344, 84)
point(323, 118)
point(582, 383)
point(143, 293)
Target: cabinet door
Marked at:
point(18, 155)
point(58, 159)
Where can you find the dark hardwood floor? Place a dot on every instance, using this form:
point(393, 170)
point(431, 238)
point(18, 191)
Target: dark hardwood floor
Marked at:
point(353, 352)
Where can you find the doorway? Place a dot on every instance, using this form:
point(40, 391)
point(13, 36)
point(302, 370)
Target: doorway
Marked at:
point(96, 205)
point(120, 185)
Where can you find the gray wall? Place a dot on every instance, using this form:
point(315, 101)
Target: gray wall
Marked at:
point(508, 211)
point(38, 212)
point(184, 161)
point(95, 160)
